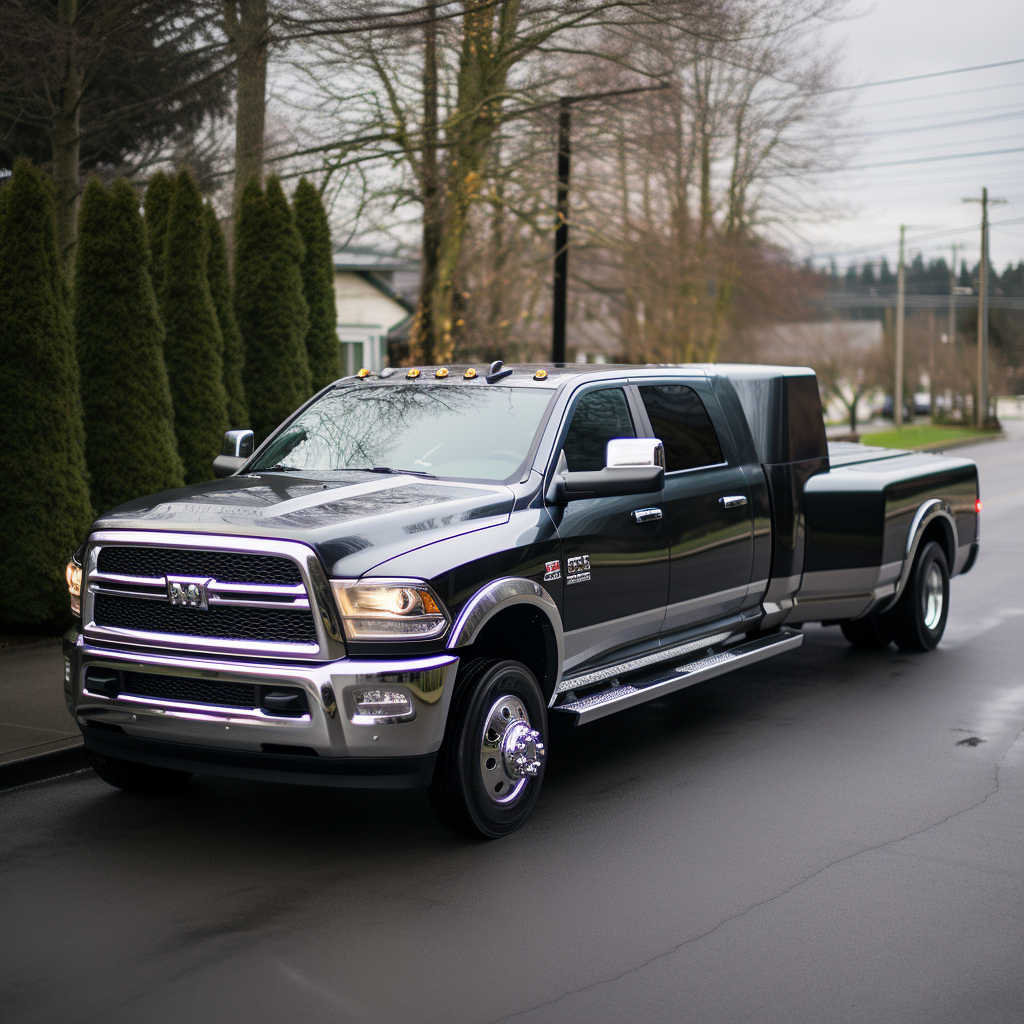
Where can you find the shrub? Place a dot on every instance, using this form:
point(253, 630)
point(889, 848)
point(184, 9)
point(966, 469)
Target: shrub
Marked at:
point(220, 290)
point(270, 307)
point(129, 426)
point(193, 342)
point(45, 513)
point(158, 205)
point(322, 346)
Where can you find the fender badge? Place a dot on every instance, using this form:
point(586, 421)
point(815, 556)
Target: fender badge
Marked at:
point(553, 570)
point(577, 569)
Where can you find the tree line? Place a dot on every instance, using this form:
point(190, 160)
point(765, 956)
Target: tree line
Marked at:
point(119, 380)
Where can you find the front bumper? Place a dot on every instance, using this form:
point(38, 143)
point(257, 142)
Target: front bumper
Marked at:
point(322, 746)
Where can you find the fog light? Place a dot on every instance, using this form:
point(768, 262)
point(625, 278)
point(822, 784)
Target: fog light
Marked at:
point(379, 707)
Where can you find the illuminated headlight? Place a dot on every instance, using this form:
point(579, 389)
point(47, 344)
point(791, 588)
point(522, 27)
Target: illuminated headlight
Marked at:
point(389, 610)
point(380, 707)
point(73, 574)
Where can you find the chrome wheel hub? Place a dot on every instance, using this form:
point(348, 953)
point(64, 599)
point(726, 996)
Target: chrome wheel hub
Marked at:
point(934, 597)
point(511, 750)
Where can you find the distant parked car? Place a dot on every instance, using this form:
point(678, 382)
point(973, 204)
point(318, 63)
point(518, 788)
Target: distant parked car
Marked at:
point(922, 403)
point(886, 410)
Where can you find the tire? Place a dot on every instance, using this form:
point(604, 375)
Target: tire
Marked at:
point(491, 764)
point(918, 619)
point(872, 632)
point(136, 778)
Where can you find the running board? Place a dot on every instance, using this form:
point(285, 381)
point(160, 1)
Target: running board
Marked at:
point(665, 681)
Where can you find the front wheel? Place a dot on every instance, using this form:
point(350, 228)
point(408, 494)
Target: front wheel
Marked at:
point(918, 619)
point(491, 763)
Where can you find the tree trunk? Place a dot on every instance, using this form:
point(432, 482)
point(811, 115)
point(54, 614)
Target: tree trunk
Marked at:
point(423, 340)
point(66, 137)
point(250, 39)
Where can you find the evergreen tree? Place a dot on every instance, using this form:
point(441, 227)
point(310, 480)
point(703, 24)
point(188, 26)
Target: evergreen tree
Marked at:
point(45, 515)
point(867, 275)
point(129, 425)
point(158, 205)
point(193, 345)
point(220, 291)
point(322, 345)
point(270, 307)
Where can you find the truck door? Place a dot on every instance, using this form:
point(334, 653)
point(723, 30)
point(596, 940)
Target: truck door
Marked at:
point(707, 504)
point(614, 550)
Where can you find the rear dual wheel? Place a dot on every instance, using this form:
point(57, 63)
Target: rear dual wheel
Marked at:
point(918, 619)
point(491, 763)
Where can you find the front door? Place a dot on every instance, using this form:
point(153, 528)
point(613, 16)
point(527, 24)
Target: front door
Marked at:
point(707, 505)
point(614, 550)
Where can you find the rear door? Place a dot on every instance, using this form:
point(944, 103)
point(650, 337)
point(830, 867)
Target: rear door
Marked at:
point(706, 501)
point(614, 560)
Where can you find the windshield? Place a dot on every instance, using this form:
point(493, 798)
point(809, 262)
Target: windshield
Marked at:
point(470, 432)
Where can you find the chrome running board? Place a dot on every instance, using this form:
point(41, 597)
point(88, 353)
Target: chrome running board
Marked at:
point(668, 680)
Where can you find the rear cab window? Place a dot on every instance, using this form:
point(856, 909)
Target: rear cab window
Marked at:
point(680, 420)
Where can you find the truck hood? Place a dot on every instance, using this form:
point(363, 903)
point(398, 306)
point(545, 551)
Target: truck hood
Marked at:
point(354, 521)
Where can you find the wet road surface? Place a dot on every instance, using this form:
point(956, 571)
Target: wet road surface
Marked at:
point(832, 835)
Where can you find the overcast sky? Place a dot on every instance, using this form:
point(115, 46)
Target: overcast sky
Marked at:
point(900, 38)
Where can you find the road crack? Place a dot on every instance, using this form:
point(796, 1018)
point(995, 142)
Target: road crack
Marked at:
point(769, 900)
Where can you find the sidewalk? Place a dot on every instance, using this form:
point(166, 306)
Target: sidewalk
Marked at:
point(33, 718)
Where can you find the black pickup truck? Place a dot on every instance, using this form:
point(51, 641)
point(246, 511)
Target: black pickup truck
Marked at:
point(420, 569)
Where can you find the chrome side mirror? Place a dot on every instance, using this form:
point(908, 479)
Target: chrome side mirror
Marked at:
point(627, 452)
point(237, 447)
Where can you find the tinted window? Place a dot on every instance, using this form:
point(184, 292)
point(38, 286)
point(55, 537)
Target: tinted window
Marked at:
point(598, 417)
point(681, 422)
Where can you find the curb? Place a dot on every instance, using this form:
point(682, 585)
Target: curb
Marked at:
point(42, 767)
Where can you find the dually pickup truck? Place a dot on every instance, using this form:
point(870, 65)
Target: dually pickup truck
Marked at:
point(421, 569)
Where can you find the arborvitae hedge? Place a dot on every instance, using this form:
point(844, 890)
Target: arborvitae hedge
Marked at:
point(158, 206)
point(270, 307)
point(129, 425)
point(322, 346)
point(193, 345)
point(45, 512)
point(220, 290)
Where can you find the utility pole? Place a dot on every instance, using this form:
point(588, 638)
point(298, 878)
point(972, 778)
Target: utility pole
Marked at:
point(561, 282)
point(901, 289)
point(951, 337)
point(982, 399)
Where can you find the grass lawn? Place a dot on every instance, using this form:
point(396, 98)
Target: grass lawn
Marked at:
point(925, 435)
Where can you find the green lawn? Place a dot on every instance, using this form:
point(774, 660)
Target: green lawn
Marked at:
point(924, 435)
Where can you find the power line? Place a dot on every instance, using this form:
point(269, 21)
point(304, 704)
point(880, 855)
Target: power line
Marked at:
point(940, 95)
point(932, 159)
point(918, 78)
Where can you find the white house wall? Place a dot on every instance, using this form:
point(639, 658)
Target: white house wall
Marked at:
point(361, 305)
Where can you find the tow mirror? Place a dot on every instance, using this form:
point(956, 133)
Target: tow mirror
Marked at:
point(633, 465)
point(237, 447)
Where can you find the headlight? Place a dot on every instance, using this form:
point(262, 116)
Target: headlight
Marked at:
point(389, 610)
point(73, 574)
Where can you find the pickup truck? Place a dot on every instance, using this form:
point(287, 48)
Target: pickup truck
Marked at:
point(419, 570)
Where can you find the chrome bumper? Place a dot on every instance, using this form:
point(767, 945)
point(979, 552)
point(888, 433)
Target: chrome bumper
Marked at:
point(326, 731)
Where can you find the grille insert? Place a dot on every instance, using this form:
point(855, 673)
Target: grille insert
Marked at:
point(189, 691)
point(270, 625)
point(223, 566)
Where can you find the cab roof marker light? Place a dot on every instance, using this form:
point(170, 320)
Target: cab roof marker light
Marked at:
point(541, 375)
point(412, 374)
point(469, 374)
point(441, 371)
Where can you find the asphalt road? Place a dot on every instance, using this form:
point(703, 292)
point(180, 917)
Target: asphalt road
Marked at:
point(807, 840)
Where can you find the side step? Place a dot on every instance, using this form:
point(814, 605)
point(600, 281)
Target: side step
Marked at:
point(676, 677)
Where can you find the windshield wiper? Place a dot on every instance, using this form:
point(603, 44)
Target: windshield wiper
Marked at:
point(279, 468)
point(389, 469)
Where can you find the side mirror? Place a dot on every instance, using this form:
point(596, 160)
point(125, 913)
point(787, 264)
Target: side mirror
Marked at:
point(633, 465)
point(237, 447)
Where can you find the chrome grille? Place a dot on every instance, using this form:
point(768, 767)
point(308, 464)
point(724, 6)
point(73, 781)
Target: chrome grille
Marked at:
point(244, 595)
point(223, 566)
point(189, 691)
point(273, 625)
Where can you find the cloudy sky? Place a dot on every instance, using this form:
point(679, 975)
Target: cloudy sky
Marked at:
point(930, 120)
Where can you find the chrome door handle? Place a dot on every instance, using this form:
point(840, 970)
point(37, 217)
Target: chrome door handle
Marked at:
point(644, 515)
point(733, 500)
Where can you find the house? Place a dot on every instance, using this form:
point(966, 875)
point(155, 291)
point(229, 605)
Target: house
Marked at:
point(375, 295)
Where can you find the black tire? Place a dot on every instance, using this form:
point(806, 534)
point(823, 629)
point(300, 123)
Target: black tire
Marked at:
point(458, 792)
point(136, 778)
point(918, 619)
point(871, 632)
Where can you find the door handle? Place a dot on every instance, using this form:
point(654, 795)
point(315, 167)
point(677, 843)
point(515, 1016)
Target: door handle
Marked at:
point(733, 500)
point(644, 515)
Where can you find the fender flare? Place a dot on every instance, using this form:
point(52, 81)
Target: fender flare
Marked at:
point(498, 596)
point(929, 511)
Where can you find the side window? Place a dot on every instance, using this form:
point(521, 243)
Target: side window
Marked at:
point(598, 417)
point(682, 423)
